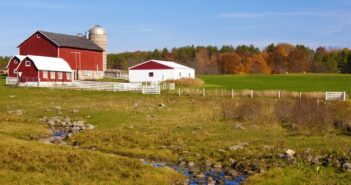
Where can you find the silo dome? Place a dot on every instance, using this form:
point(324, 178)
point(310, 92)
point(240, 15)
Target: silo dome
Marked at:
point(97, 30)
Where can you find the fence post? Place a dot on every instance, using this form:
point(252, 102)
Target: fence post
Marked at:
point(232, 93)
point(252, 93)
point(279, 95)
point(179, 91)
point(344, 96)
point(300, 95)
point(203, 92)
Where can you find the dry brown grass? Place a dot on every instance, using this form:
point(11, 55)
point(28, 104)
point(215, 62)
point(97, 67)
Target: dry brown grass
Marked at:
point(188, 82)
point(305, 116)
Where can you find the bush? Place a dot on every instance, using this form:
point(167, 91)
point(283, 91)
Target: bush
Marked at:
point(342, 116)
point(247, 110)
point(188, 82)
point(282, 111)
point(311, 115)
point(314, 116)
point(306, 116)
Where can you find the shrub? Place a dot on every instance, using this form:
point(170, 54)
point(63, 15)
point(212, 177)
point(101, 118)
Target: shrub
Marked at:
point(309, 116)
point(342, 116)
point(246, 110)
point(188, 82)
point(282, 111)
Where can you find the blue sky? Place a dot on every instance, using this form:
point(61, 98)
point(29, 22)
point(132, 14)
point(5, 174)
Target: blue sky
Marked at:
point(149, 24)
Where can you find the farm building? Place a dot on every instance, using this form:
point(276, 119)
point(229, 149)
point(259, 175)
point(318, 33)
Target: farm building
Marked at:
point(85, 56)
point(42, 71)
point(157, 71)
point(13, 64)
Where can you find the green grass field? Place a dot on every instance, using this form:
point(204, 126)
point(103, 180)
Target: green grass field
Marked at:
point(131, 126)
point(290, 82)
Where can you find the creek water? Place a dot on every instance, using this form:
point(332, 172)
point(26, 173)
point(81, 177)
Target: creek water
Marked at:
point(217, 177)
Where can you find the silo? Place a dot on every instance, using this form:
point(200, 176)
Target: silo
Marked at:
point(97, 34)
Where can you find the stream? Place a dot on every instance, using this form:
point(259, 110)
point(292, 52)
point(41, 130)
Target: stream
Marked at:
point(209, 176)
point(62, 128)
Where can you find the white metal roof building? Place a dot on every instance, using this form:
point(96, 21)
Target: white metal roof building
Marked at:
point(157, 71)
point(50, 63)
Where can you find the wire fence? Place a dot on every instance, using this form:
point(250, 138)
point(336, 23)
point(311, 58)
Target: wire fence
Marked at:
point(278, 94)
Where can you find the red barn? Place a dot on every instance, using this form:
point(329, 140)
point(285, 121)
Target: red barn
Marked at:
point(43, 71)
point(13, 64)
point(83, 55)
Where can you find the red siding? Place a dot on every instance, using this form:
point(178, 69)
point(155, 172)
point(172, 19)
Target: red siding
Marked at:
point(29, 73)
point(38, 46)
point(48, 79)
point(150, 65)
point(86, 60)
point(12, 66)
point(82, 59)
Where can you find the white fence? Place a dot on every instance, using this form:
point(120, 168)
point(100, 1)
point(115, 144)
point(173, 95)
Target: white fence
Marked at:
point(11, 81)
point(127, 86)
point(168, 86)
point(117, 74)
point(154, 88)
point(103, 86)
point(334, 96)
point(151, 89)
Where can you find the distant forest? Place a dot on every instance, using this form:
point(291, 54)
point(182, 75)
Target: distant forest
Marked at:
point(243, 59)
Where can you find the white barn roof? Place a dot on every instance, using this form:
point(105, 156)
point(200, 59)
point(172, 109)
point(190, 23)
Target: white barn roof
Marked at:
point(50, 63)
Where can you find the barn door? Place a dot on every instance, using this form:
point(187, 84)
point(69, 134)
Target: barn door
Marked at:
point(76, 77)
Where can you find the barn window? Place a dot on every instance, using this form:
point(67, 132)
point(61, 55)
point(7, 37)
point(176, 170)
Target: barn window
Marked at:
point(52, 75)
point(59, 75)
point(16, 61)
point(45, 74)
point(189, 75)
point(38, 36)
point(68, 76)
point(27, 63)
point(151, 74)
point(180, 74)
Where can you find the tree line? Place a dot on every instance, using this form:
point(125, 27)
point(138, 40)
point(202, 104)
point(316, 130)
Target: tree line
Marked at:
point(3, 62)
point(244, 59)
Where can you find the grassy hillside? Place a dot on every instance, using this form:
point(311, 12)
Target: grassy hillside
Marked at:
point(291, 82)
point(165, 128)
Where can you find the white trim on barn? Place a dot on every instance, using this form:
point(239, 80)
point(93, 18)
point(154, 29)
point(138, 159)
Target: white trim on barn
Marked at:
point(19, 57)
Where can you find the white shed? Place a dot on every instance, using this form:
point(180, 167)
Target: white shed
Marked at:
point(157, 71)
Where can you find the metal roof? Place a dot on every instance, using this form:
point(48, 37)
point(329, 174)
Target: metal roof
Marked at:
point(166, 63)
point(70, 41)
point(50, 63)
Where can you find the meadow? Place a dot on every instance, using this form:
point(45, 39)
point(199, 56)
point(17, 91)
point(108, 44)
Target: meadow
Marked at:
point(164, 128)
point(290, 82)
